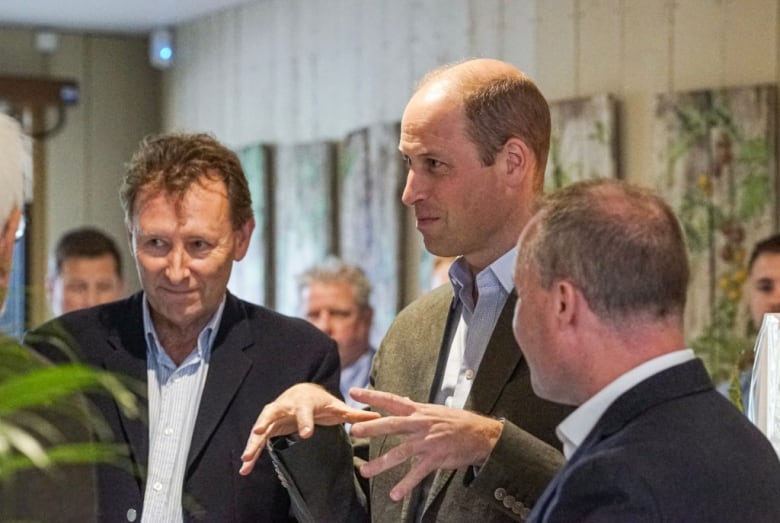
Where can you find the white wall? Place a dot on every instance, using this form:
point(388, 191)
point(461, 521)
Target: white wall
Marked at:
point(295, 71)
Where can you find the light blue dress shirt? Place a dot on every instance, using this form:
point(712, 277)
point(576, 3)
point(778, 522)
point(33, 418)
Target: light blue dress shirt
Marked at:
point(356, 375)
point(174, 398)
point(474, 323)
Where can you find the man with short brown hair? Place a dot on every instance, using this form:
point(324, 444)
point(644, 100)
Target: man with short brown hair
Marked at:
point(601, 279)
point(206, 360)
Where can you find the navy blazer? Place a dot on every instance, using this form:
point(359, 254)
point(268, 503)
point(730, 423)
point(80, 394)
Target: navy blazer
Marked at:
point(669, 449)
point(257, 354)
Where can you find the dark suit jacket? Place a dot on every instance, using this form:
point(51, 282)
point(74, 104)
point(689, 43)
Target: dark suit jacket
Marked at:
point(257, 354)
point(670, 449)
point(525, 458)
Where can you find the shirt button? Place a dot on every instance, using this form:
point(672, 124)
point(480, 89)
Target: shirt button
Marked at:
point(469, 374)
point(157, 486)
point(131, 515)
point(168, 431)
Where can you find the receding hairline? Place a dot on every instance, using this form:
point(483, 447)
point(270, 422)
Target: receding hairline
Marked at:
point(468, 75)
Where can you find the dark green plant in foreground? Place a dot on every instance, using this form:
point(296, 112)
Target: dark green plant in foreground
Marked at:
point(38, 398)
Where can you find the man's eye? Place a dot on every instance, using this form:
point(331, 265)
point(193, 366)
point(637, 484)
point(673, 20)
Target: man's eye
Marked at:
point(407, 161)
point(433, 164)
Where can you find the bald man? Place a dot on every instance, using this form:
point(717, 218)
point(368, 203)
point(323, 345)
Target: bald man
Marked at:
point(463, 436)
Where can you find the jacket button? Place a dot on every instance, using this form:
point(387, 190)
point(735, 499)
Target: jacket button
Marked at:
point(500, 493)
point(131, 515)
point(520, 509)
point(509, 501)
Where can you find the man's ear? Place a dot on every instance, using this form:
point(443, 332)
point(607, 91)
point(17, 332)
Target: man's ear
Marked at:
point(566, 303)
point(520, 161)
point(243, 235)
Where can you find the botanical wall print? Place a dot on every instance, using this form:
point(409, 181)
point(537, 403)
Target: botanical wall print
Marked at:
point(371, 176)
point(716, 166)
point(250, 276)
point(583, 143)
point(303, 215)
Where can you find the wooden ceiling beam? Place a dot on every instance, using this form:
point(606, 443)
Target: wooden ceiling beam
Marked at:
point(37, 92)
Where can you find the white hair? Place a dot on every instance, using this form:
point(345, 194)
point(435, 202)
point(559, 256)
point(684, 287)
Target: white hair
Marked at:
point(14, 166)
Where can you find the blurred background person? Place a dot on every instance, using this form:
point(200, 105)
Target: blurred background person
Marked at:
point(764, 279)
point(85, 269)
point(763, 287)
point(335, 297)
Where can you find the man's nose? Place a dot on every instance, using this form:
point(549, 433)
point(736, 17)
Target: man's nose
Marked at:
point(322, 322)
point(177, 268)
point(413, 190)
point(92, 297)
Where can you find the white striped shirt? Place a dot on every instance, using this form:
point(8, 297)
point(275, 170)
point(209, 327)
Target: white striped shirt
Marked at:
point(174, 398)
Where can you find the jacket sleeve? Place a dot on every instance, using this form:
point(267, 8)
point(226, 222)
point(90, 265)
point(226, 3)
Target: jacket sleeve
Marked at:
point(500, 479)
point(319, 476)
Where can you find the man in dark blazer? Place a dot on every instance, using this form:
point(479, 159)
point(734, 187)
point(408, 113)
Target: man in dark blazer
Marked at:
point(464, 438)
point(206, 361)
point(601, 278)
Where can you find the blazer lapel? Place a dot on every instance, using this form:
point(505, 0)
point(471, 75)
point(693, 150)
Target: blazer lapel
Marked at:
point(680, 380)
point(227, 369)
point(501, 357)
point(129, 358)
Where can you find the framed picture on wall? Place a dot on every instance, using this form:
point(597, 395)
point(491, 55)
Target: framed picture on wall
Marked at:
point(583, 143)
point(370, 215)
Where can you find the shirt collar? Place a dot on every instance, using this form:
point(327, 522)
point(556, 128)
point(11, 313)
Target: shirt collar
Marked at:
point(573, 430)
point(499, 271)
point(205, 338)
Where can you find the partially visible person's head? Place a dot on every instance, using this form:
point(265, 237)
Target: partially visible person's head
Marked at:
point(335, 297)
point(617, 246)
point(85, 269)
point(764, 279)
point(189, 216)
point(14, 164)
point(475, 136)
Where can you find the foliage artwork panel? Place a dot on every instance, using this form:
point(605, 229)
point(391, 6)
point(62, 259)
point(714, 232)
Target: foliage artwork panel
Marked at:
point(715, 152)
point(583, 143)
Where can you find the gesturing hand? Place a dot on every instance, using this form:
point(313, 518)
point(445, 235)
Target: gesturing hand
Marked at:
point(297, 409)
point(433, 437)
